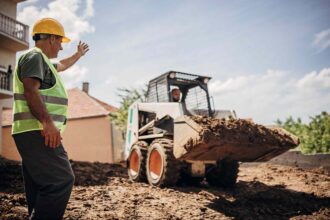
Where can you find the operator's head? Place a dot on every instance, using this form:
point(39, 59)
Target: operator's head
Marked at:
point(48, 33)
point(175, 95)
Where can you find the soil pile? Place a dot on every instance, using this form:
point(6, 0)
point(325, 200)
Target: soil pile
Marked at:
point(263, 191)
point(234, 139)
point(10, 176)
point(242, 131)
point(86, 174)
point(91, 174)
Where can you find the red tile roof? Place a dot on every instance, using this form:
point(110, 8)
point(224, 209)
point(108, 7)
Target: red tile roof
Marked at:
point(108, 107)
point(81, 105)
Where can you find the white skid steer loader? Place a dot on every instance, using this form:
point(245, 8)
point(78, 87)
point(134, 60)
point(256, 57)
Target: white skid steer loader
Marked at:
point(159, 131)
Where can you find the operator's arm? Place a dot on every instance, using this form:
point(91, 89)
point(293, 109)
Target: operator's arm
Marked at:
point(82, 48)
point(38, 109)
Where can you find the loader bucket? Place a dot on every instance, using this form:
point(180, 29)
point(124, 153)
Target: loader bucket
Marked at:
point(208, 139)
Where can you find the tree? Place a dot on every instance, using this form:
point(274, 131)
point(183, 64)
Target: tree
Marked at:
point(128, 97)
point(315, 136)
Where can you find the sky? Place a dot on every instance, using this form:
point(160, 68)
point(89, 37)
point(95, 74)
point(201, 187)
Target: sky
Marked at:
point(268, 59)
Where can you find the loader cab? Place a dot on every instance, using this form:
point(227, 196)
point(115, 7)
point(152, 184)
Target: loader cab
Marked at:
point(194, 97)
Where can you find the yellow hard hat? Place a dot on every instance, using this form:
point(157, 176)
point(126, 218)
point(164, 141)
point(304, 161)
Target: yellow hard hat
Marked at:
point(49, 26)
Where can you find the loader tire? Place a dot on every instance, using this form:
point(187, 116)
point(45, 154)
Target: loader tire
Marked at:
point(162, 167)
point(136, 165)
point(224, 174)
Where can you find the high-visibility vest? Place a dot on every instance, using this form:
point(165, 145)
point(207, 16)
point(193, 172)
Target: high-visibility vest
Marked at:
point(54, 98)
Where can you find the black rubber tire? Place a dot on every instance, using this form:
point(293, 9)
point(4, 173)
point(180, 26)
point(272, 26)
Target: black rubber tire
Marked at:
point(169, 169)
point(138, 173)
point(224, 174)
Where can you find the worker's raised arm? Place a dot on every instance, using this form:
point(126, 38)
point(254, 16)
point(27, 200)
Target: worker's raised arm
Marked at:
point(82, 48)
point(38, 109)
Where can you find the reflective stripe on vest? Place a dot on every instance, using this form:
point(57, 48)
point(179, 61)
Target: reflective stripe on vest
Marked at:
point(54, 98)
point(48, 99)
point(28, 115)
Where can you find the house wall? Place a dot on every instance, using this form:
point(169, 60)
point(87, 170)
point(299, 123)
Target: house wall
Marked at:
point(8, 7)
point(89, 139)
point(118, 143)
point(7, 103)
point(7, 57)
point(0, 129)
point(9, 150)
point(84, 140)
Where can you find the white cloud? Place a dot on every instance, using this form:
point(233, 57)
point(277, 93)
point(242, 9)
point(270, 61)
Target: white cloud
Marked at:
point(322, 40)
point(274, 95)
point(66, 11)
point(111, 80)
point(314, 79)
point(229, 85)
point(89, 11)
point(31, 1)
point(74, 76)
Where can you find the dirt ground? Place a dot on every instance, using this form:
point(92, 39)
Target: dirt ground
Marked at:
point(103, 191)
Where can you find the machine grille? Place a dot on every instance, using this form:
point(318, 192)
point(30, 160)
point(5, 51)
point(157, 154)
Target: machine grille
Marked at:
point(196, 101)
point(157, 91)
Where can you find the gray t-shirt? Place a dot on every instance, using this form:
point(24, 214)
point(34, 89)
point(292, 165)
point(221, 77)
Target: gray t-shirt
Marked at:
point(33, 65)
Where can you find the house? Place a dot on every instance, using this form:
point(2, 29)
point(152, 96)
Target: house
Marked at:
point(14, 37)
point(89, 135)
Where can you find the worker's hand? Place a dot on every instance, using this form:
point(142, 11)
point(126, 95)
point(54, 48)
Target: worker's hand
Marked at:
point(51, 134)
point(82, 48)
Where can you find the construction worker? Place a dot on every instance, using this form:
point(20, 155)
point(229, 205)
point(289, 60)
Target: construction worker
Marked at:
point(176, 93)
point(39, 117)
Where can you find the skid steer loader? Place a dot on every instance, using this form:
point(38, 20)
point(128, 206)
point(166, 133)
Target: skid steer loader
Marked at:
point(167, 141)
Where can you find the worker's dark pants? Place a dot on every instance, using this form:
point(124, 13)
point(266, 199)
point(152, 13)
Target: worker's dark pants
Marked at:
point(48, 176)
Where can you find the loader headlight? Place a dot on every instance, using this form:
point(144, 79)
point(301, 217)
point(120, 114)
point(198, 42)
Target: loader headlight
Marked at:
point(172, 75)
point(206, 80)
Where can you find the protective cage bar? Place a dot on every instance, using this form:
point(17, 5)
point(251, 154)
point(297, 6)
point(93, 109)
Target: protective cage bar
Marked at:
point(195, 92)
point(158, 89)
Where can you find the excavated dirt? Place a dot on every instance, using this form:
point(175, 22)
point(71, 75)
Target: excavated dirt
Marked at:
point(103, 191)
point(242, 131)
point(235, 139)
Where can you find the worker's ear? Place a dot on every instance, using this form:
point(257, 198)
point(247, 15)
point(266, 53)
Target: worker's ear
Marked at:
point(52, 39)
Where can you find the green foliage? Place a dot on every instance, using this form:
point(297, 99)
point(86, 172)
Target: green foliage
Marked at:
point(315, 136)
point(128, 97)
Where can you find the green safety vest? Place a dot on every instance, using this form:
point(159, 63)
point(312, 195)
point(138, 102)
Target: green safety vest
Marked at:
point(54, 98)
